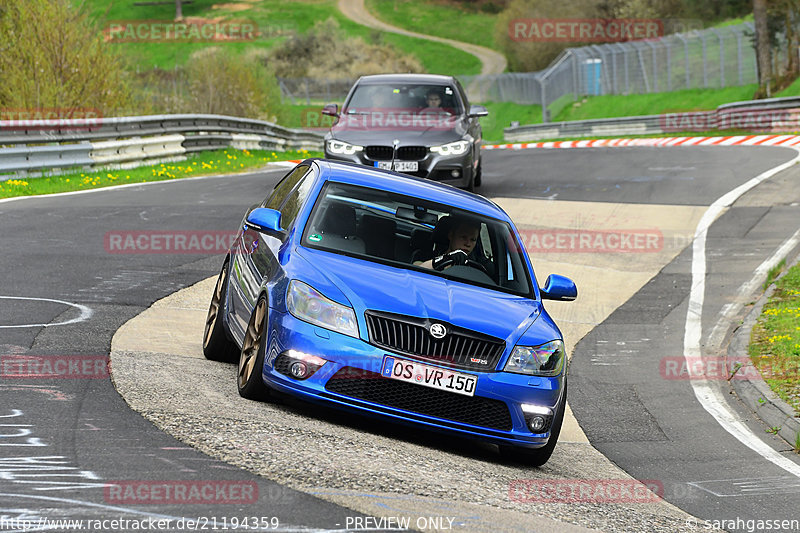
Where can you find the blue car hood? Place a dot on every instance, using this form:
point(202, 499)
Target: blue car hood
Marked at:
point(374, 286)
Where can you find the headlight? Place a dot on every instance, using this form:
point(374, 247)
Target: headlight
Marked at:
point(545, 360)
point(305, 303)
point(341, 147)
point(456, 148)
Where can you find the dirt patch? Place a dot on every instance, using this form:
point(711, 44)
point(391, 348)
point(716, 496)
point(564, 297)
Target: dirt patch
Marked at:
point(234, 7)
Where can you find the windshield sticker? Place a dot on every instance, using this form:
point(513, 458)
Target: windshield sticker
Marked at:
point(315, 237)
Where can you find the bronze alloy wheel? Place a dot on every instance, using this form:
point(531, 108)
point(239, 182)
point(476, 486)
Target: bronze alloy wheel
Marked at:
point(216, 344)
point(251, 346)
point(213, 309)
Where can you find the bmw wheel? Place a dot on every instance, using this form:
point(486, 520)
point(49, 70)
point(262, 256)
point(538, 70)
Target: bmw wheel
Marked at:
point(216, 344)
point(251, 359)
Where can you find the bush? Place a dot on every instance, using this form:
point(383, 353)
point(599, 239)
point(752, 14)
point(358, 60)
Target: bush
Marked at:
point(52, 56)
point(221, 82)
point(326, 52)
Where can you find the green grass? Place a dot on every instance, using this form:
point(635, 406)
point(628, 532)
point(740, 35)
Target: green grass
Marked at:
point(773, 273)
point(204, 163)
point(502, 114)
point(618, 105)
point(277, 20)
point(775, 339)
point(440, 19)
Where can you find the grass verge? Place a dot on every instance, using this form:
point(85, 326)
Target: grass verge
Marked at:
point(277, 21)
point(463, 24)
point(204, 163)
point(775, 340)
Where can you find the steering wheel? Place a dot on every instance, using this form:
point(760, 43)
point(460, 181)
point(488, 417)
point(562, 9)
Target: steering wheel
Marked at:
point(456, 258)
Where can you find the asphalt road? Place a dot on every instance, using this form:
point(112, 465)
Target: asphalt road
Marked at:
point(62, 439)
point(61, 433)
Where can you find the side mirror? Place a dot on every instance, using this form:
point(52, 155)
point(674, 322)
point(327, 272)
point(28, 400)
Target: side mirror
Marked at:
point(478, 111)
point(264, 219)
point(559, 288)
point(331, 110)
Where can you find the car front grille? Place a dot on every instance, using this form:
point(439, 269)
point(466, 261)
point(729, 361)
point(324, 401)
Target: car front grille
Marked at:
point(372, 387)
point(404, 153)
point(459, 348)
point(412, 153)
point(379, 153)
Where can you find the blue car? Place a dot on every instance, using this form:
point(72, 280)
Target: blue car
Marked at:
point(396, 297)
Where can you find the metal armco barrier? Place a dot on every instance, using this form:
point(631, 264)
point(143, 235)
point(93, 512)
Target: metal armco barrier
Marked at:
point(38, 145)
point(773, 115)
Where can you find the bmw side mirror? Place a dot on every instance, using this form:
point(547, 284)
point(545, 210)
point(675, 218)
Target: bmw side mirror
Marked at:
point(331, 110)
point(264, 219)
point(478, 111)
point(559, 288)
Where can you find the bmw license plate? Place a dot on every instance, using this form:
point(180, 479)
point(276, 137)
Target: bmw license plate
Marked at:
point(428, 376)
point(399, 166)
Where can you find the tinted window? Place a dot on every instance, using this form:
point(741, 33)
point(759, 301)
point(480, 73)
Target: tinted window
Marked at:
point(295, 200)
point(283, 187)
point(403, 96)
point(416, 234)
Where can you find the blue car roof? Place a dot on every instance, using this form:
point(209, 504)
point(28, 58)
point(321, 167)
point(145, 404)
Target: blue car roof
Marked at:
point(410, 185)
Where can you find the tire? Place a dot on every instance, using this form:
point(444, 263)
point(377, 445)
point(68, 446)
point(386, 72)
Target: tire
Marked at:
point(251, 358)
point(471, 186)
point(538, 456)
point(478, 175)
point(216, 344)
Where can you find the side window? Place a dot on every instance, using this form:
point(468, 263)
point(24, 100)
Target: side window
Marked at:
point(284, 186)
point(463, 94)
point(295, 200)
point(486, 242)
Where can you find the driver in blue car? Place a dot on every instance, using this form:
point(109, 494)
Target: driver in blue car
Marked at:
point(462, 237)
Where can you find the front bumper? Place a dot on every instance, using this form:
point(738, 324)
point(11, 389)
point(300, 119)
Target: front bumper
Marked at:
point(433, 166)
point(406, 402)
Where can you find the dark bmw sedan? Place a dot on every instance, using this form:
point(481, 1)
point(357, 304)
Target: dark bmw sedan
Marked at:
point(418, 124)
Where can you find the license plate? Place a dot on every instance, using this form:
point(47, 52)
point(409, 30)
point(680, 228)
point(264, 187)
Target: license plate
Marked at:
point(428, 376)
point(399, 166)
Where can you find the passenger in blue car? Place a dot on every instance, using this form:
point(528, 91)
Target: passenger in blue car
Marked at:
point(462, 238)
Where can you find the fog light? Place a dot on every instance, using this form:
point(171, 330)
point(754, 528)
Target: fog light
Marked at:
point(298, 370)
point(538, 417)
point(298, 365)
point(455, 173)
point(537, 423)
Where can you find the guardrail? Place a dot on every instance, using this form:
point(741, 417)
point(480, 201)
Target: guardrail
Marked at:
point(54, 145)
point(773, 115)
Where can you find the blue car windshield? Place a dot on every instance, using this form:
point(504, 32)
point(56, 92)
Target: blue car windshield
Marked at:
point(417, 234)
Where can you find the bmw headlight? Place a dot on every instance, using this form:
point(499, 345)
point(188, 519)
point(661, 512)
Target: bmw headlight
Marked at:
point(307, 304)
point(545, 360)
point(343, 148)
point(455, 148)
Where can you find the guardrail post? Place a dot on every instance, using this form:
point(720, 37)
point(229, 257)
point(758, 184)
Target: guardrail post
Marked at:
point(721, 57)
point(669, 65)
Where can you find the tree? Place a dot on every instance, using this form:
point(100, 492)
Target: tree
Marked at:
point(51, 56)
point(763, 49)
point(178, 9)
